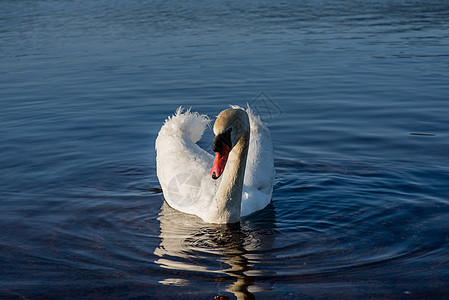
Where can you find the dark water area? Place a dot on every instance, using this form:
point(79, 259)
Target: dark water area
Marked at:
point(355, 93)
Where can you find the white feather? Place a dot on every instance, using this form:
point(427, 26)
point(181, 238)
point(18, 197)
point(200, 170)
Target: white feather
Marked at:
point(183, 168)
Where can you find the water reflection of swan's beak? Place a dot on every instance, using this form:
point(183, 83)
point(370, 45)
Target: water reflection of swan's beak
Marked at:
point(188, 244)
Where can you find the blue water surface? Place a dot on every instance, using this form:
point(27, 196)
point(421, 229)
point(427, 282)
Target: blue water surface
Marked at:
point(355, 93)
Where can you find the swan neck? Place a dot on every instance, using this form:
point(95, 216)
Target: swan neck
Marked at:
point(228, 199)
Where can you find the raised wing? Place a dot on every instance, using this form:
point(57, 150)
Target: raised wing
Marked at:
point(259, 173)
point(182, 166)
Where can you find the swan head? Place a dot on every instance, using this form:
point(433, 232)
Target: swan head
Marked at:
point(229, 127)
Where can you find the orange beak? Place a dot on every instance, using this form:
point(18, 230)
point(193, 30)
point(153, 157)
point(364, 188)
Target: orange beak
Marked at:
point(220, 161)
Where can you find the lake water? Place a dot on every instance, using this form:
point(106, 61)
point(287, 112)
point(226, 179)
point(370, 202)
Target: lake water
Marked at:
point(355, 93)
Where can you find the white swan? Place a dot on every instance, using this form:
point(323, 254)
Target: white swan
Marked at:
point(238, 182)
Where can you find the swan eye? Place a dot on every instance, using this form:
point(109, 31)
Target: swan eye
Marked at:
point(222, 138)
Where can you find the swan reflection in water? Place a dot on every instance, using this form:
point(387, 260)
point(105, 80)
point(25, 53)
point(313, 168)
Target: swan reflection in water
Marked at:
point(232, 250)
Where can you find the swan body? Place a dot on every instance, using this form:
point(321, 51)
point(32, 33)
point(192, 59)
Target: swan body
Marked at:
point(234, 184)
